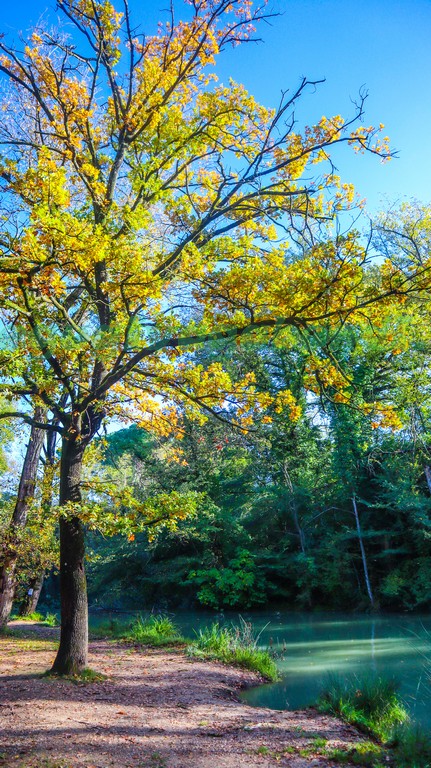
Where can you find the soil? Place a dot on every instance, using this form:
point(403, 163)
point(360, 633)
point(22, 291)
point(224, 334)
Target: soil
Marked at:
point(155, 709)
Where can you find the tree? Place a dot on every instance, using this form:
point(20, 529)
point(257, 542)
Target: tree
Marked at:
point(25, 496)
point(42, 555)
point(147, 211)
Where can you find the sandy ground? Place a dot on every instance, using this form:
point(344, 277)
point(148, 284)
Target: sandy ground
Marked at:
point(157, 709)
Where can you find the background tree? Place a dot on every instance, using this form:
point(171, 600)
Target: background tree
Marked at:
point(146, 211)
point(24, 500)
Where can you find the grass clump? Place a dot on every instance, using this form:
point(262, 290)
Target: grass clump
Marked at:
point(234, 645)
point(51, 620)
point(411, 746)
point(155, 631)
point(364, 753)
point(372, 704)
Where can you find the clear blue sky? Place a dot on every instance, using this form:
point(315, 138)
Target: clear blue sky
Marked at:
point(383, 45)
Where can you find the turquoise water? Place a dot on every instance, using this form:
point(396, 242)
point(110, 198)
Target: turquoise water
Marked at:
point(311, 646)
point(316, 646)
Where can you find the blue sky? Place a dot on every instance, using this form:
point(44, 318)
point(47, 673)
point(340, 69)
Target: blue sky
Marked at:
point(383, 45)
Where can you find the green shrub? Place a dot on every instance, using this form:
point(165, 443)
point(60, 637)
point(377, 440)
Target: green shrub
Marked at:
point(234, 645)
point(155, 631)
point(370, 703)
point(238, 584)
point(51, 620)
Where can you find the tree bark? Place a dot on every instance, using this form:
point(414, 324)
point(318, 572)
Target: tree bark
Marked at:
point(29, 604)
point(73, 650)
point(25, 496)
point(363, 555)
point(31, 599)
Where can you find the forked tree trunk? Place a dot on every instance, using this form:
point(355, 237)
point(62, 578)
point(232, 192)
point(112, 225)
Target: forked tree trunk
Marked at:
point(31, 599)
point(72, 653)
point(25, 496)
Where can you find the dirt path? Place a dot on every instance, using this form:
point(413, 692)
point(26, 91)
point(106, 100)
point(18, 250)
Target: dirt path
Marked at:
point(157, 710)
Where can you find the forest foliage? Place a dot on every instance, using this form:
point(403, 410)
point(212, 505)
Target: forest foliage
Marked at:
point(275, 521)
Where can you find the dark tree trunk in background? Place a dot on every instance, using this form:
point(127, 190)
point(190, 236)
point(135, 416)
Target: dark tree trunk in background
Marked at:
point(31, 599)
point(34, 589)
point(25, 496)
point(294, 508)
point(72, 653)
point(363, 554)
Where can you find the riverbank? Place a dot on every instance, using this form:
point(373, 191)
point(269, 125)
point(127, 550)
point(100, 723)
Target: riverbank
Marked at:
point(155, 709)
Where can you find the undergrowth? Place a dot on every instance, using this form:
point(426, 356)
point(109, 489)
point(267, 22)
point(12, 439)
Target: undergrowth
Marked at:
point(49, 620)
point(411, 746)
point(112, 627)
point(234, 645)
point(372, 704)
point(154, 630)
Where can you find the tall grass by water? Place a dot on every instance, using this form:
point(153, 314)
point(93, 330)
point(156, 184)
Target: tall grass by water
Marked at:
point(154, 630)
point(370, 703)
point(373, 705)
point(234, 645)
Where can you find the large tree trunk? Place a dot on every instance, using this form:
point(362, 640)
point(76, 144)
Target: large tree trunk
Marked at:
point(31, 599)
point(72, 653)
point(25, 496)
